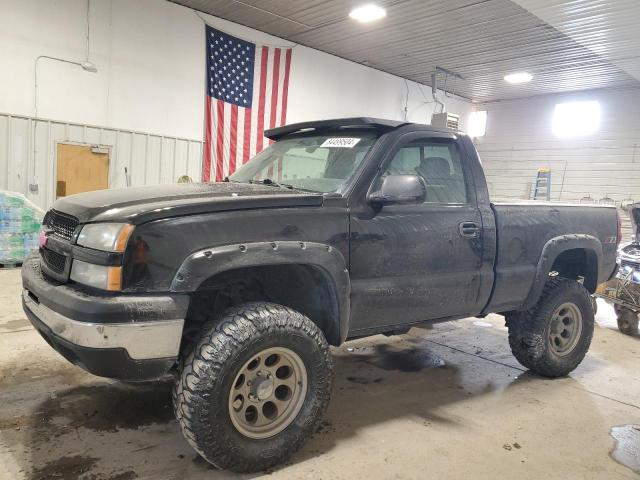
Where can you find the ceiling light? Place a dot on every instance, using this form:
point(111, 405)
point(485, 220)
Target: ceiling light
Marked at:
point(368, 13)
point(518, 77)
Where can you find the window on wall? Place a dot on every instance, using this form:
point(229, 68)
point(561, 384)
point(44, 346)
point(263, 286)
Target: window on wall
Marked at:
point(576, 119)
point(477, 124)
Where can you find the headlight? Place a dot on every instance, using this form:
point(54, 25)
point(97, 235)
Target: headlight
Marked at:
point(98, 276)
point(111, 237)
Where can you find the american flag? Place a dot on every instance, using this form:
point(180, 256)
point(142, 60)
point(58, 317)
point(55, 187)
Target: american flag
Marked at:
point(247, 86)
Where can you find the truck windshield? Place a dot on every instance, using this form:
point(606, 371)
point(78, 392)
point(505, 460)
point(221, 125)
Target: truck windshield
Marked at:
point(320, 163)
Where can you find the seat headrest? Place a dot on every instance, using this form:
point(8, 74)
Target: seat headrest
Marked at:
point(435, 167)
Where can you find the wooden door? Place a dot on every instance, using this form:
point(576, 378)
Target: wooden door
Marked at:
point(81, 168)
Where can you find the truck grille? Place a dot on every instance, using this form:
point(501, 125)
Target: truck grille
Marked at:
point(632, 265)
point(62, 225)
point(55, 261)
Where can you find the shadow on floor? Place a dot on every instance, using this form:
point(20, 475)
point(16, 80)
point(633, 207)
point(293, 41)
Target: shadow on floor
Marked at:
point(385, 380)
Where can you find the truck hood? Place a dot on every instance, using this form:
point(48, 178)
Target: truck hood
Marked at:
point(142, 204)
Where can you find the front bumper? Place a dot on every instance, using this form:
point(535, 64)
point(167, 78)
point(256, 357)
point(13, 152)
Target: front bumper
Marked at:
point(127, 337)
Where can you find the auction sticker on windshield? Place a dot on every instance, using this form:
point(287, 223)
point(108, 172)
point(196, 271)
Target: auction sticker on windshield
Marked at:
point(340, 142)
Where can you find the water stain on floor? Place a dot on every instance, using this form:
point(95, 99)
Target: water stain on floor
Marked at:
point(17, 375)
point(364, 380)
point(404, 360)
point(104, 407)
point(64, 468)
point(626, 450)
point(15, 325)
point(110, 407)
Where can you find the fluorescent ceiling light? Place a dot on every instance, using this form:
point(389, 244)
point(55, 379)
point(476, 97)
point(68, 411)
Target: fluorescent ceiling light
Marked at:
point(368, 13)
point(477, 124)
point(518, 77)
point(575, 119)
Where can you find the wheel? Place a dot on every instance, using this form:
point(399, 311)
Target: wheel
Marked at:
point(553, 337)
point(627, 321)
point(254, 387)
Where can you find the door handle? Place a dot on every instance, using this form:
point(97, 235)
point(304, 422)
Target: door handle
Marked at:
point(469, 229)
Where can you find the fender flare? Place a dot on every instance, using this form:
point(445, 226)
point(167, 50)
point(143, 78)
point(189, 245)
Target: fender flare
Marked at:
point(203, 264)
point(551, 250)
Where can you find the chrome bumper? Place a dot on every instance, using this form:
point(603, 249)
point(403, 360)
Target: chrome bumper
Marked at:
point(142, 341)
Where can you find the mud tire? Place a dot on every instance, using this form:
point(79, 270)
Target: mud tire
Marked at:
point(529, 330)
point(627, 321)
point(201, 392)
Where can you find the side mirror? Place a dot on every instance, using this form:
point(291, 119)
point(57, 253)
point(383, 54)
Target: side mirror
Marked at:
point(399, 189)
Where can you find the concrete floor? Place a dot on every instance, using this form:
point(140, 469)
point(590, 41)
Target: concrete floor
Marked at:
point(445, 402)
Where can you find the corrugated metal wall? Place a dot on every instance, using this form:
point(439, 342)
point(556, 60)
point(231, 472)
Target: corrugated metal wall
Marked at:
point(28, 155)
point(520, 140)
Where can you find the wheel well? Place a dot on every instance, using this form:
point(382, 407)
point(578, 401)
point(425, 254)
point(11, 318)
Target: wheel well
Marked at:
point(305, 288)
point(578, 263)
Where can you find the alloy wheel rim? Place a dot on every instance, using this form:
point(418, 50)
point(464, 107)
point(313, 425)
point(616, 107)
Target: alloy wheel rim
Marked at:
point(565, 329)
point(268, 392)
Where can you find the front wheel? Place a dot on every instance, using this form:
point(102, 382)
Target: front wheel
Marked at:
point(553, 337)
point(254, 388)
point(627, 321)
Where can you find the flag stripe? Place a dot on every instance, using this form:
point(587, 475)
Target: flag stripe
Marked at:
point(219, 139)
point(232, 140)
point(239, 138)
point(281, 65)
point(255, 107)
point(226, 144)
point(274, 87)
point(285, 87)
point(206, 161)
point(246, 142)
point(267, 95)
point(261, 98)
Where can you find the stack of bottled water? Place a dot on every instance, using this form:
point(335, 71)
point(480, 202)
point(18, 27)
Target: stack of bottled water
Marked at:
point(19, 227)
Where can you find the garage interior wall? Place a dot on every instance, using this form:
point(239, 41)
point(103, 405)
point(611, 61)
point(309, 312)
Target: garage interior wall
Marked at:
point(519, 140)
point(150, 60)
point(28, 155)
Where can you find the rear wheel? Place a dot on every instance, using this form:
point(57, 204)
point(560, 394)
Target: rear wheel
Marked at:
point(254, 387)
point(627, 321)
point(553, 337)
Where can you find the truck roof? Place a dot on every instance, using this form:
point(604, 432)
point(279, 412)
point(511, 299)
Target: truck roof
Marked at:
point(379, 124)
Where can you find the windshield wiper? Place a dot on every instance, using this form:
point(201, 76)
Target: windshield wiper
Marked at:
point(269, 181)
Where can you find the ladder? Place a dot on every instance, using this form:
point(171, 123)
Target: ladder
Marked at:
point(542, 187)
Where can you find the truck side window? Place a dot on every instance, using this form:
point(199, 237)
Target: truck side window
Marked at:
point(439, 165)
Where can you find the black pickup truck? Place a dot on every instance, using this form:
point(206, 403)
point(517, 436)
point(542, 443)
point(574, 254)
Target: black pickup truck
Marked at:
point(339, 229)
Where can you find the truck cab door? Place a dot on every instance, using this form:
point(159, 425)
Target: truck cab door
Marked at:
point(420, 260)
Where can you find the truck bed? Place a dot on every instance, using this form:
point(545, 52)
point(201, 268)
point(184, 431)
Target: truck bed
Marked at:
point(524, 228)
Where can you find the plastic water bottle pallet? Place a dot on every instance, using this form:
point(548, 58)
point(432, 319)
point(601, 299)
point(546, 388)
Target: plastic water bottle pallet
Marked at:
point(11, 265)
